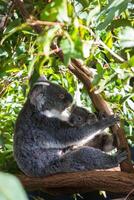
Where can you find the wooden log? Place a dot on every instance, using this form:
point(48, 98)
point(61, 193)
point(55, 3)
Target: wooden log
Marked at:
point(70, 183)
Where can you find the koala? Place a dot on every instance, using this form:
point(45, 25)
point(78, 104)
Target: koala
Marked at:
point(41, 143)
point(79, 117)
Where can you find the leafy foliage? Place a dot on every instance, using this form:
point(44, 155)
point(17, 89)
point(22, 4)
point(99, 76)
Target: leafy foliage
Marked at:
point(98, 33)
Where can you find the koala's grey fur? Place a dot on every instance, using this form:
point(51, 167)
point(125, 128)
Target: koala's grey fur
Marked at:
point(79, 117)
point(42, 144)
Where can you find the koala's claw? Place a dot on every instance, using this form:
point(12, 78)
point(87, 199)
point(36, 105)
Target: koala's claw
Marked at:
point(102, 115)
point(113, 119)
point(117, 118)
point(121, 155)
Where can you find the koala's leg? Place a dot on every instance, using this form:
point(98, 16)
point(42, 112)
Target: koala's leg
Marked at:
point(85, 158)
point(105, 142)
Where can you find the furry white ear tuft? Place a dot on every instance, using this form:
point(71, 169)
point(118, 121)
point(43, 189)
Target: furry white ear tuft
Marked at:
point(42, 81)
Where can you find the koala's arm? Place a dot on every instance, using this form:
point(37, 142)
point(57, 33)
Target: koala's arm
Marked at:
point(68, 135)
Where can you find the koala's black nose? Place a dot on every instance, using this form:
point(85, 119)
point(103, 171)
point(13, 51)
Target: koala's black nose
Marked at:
point(69, 98)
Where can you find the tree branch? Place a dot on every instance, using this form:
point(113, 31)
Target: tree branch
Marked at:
point(5, 18)
point(69, 183)
point(43, 23)
point(19, 5)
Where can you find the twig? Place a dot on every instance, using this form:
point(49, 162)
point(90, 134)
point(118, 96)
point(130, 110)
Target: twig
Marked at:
point(45, 23)
point(103, 44)
point(111, 51)
point(129, 194)
point(5, 18)
point(25, 14)
point(3, 22)
point(54, 51)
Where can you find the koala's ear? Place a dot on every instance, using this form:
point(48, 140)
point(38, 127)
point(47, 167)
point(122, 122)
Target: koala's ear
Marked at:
point(35, 95)
point(73, 107)
point(41, 79)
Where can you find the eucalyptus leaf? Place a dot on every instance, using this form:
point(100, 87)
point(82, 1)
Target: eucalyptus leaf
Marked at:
point(84, 3)
point(126, 37)
point(55, 10)
point(10, 188)
point(67, 48)
point(130, 103)
point(112, 10)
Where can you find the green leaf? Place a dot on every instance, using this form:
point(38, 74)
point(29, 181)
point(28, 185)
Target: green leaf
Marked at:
point(12, 25)
point(126, 37)
point(55, 10)
point(99, 75)
point(131, 61)
point(119, 23)
point(84, 3)
point(45, 41)
point(122, 100)
point(131, 104)
point(92, 14)
point(13, 30)
point(71, 49)
point(112, 10)
point(67, 47)
point(10, 188)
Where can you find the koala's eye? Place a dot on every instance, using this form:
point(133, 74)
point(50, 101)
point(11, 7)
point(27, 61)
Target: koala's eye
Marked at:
point(61, 96)
point(79, 118)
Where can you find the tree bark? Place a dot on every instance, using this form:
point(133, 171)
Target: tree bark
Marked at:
point(78, 182)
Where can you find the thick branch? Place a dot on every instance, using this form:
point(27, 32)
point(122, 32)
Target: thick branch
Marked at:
point(69, 183)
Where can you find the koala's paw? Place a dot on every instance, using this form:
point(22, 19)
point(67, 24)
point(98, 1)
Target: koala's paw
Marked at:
point(112, 119)
point(116, 117)
point(121, 155)
point(102, 115)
